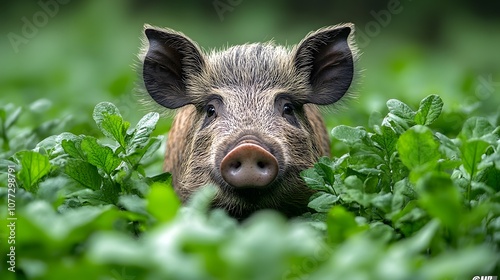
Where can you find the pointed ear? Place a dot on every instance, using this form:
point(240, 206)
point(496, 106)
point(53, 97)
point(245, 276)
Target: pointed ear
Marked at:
point(171, 57)
point(327, 60)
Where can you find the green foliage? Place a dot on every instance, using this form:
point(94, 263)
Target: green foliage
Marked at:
point(403, 176)
point(404, 202)
point(14, 138)
point(34, 167)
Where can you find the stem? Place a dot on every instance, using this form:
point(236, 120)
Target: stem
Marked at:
point(469, 187)
point(6, 144)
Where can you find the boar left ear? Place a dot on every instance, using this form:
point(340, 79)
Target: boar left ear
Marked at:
point(170, 60)
point(327, 60)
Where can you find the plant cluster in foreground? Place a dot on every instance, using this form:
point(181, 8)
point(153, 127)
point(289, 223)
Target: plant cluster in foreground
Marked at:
point(405, 202)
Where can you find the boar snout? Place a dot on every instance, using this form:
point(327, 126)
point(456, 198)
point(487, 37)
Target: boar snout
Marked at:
point(249, 165)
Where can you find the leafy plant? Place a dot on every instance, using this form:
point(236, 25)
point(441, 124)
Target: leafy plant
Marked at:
point(14, 138)
point(405, 202)
point(402, 177)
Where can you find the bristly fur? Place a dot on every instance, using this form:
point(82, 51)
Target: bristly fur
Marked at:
point(247, 84)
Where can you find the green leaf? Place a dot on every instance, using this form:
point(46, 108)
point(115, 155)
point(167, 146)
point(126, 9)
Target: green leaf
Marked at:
point(71, 226)
point(313, 179)
point(400, 116)
point(417, 147)
point(490, 176)
point(387, 140)
point(73, 148)
point(100, 156)
point(202, 199)
point(116, 128)
point(440, 197)
point(472, 151)
point(12, 117)
point(3, 114)
point(162, 202)
point(84, 173)
point(456, 264)
point(324, 168)
point(118, 248)
point(448, 148)
point(33, 167)
point(429, 110)
point(403, 194)
point(383, 202)
point(102, 110)
point(410, 219)
point(400, 109)
point(371, 184)
point(341, 225)
point(397, 124)
point(322, 202)
point(165, 178)
point(40, 105)
point(109, 192)
point(135, 155)
point(419, 241)
point(375, 119)
point(491, 159)
point(152, 146)
point(476, 127)
point(143, 130)
point(365, 159)
point(54, 190)
point(133, 203)
point(347, 134)
point(110, 122)
point(353, 182)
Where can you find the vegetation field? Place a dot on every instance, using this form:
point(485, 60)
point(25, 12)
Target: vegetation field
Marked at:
point(410, 191)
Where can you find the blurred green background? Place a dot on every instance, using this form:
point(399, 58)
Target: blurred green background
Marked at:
point(77, 53)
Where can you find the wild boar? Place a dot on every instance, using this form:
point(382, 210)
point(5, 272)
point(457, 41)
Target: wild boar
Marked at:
point(248, 120)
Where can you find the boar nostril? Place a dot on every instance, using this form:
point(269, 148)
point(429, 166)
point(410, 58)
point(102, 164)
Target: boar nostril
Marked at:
point(249, 166)
point(235, 165)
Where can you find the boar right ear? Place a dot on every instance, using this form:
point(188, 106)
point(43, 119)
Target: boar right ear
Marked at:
point(327, 59)
point(170, 58)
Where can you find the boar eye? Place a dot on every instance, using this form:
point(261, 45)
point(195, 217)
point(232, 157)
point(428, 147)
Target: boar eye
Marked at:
point(288, 112)
point(211, 111)
point(287, 109)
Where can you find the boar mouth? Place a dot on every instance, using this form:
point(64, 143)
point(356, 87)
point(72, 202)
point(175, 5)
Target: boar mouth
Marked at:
point(241, 203)
point(253, 194)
